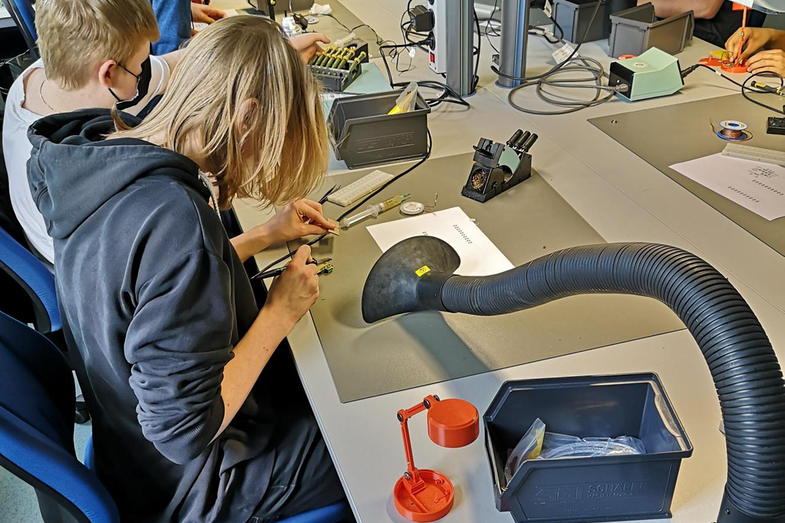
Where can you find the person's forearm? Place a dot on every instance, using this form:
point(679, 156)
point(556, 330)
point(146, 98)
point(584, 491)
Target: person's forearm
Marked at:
point(251, 355)
point(250, 243)
point(173, 58)
point(668, 8)
point(777, 40)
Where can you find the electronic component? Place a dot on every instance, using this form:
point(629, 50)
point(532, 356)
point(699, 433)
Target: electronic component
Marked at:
point(360, 188)
point(324, 267)
point(775, 125)
point(337, 67)
point(421, 18)
point(294, 24)
point(652, 74)
point(756, 154)
point(498, 167)
point(725, 61)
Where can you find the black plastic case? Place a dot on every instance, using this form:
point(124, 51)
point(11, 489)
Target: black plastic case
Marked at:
point(612, 488)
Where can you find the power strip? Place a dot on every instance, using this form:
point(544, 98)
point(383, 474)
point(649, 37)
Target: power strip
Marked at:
point(360, 188)
point(757, 154)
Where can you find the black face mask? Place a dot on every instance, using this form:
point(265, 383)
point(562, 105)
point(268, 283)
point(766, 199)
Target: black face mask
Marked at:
point(142, 86)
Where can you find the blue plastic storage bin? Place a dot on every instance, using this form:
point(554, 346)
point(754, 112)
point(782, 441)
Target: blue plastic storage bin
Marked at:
point(614, 488)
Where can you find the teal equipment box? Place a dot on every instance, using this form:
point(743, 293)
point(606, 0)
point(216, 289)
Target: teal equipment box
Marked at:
point(654, 73)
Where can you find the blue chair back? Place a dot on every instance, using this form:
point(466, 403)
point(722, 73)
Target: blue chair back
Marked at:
point(36, 428)
point(33, 276)
point(23, 14)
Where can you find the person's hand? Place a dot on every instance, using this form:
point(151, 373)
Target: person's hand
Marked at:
point(296, 290)
point(767, 61)
point(298, 219)
point(755, 38)
point(204, 14)
point(307, 44)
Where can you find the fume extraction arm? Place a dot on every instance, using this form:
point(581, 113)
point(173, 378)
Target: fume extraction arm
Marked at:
point(418, 274)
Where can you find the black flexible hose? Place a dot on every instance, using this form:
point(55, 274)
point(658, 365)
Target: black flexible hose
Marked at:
point(742, 362)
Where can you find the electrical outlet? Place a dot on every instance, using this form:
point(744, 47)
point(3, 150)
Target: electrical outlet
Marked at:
point(437, 51)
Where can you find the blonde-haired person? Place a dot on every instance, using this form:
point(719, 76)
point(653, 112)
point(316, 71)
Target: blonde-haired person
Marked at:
point(196, 416)
point(94, 53)
point(762, 48)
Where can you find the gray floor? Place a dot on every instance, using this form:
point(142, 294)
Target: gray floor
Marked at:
point(18, 503)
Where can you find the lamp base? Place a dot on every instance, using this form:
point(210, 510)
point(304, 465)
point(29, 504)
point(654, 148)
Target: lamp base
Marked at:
point(430, 501)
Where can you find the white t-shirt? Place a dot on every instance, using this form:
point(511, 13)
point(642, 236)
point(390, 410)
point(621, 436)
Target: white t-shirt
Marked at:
point(17, 148)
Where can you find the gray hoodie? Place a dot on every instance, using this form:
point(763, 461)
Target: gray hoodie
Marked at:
point(153, 299)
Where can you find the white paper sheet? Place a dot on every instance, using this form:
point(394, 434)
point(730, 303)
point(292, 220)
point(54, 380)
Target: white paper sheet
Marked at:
point(759, 187)
point(479, 256)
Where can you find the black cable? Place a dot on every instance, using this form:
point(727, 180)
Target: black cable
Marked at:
point(358, 204)
point(743, 86)
point(447, 91)
point(598, 73)
point(686, 72)
point(766, 74)
point(476, 72)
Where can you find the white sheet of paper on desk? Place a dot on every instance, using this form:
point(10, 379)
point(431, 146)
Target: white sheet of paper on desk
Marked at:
point(479, 256)
point(759, 187)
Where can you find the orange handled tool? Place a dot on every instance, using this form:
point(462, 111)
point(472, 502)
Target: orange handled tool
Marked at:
point(739, 7)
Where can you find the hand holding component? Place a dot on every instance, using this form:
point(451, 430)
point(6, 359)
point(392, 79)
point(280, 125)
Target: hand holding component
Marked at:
point(307, 44)
point(204, 14)
point(750, 39)
point(324, 267)
point(298, 219)
point(767, 61)
point(296, 289)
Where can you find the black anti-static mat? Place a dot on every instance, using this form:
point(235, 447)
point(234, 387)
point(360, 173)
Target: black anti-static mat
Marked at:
point(526, 222)
point(689, 136)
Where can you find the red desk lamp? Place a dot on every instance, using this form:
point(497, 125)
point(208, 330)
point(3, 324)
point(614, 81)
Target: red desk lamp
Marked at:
point(427, 495)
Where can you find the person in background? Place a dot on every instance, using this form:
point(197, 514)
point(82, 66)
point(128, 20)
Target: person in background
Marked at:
point(94, 53)
point(763, 49)
point(175, 19)
point(194, 420)
point(715, 20)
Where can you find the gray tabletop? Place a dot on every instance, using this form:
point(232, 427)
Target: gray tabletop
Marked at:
point(622, 198)
point(526, 222)
point(654, 135)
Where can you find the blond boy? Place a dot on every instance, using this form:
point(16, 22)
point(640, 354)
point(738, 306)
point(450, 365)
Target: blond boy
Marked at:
point(94, 53)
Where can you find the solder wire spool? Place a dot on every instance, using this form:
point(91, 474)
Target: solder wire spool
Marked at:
point(412, 208)
point(733, 131)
